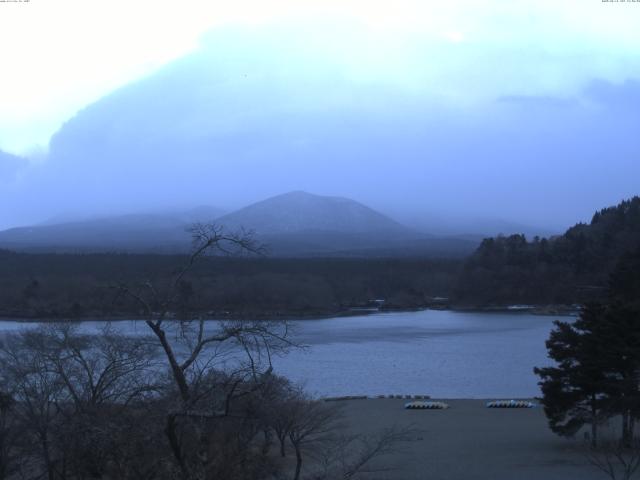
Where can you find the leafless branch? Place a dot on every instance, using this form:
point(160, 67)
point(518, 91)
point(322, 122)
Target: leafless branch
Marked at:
point(615, 460)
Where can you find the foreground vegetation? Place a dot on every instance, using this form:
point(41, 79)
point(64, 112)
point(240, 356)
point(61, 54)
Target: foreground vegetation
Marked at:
point(189, 401)
point(74, 406)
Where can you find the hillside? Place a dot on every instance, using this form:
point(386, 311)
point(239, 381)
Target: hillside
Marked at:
point(568, 268)
point(297, 212)
point(135, 232)
point(293, 224)
point(302, 224)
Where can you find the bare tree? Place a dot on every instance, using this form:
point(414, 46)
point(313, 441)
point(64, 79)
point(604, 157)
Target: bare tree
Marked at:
point(108, 368)
point(159, 304)
point(349, 456)
point(102, 376)
point(617, 460)
point(316, 431)
point(280, 409)
point(193, 349)
point(37, 393)
point(194, 400)
point(312, 422)
point(8, 435)
point(73, 393)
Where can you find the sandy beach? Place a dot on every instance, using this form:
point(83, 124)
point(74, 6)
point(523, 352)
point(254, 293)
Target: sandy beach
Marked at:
point(469, 441)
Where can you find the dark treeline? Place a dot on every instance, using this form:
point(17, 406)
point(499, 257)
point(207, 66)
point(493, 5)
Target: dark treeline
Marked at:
point(570, 268)
point(76, 286)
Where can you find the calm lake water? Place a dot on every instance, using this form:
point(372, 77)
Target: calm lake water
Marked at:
point(439, 353)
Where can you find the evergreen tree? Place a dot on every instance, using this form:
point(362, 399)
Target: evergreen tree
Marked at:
point(597, 375)
point(620, 336)
point(575, 391)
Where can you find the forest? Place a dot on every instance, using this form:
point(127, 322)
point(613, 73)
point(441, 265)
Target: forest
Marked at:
point(80, 286)
point(569, 268)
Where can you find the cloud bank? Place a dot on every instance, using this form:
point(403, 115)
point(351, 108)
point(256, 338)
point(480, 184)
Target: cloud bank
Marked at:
point(473, 108)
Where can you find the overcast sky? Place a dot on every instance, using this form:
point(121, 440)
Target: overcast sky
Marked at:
point(546, 91)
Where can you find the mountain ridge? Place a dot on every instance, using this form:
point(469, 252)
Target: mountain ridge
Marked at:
point(296, 223)
point(128, 232)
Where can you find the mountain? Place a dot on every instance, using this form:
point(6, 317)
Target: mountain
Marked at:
point(300, 212)
point(292, 224)
point(301, 224)
point(134, 232)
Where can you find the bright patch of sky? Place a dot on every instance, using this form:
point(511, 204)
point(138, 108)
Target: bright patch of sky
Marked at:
point(59, 56)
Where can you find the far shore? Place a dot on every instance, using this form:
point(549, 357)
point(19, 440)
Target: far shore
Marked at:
point(543, 310)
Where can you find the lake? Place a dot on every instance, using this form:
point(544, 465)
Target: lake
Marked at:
point(444, 354)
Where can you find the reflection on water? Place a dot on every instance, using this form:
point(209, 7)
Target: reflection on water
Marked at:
point(439, 353)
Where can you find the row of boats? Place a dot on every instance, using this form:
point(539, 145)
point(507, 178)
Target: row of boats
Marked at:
point(420, 405)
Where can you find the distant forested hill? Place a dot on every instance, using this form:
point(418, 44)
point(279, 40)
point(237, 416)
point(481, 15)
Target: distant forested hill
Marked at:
point(568, 268)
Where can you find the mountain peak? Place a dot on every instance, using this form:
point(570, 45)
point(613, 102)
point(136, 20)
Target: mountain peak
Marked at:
point(302, 195)
point(299, 211)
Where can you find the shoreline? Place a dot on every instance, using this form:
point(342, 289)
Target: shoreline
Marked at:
point(541, 310)
point(406, 398)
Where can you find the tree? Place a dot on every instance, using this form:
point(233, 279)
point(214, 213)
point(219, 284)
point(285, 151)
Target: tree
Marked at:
point(8, 435)
point(37, 393)
point(575, 391)
point(615, 460)
point(349, 456)
point(311, 422)
point(624, 282)
point(191, 348)
point(598, 362)
point(619, 334)
point(72, 396)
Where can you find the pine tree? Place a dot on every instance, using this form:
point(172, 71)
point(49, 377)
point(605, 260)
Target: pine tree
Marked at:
point(575, 391)
point(597, 372)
